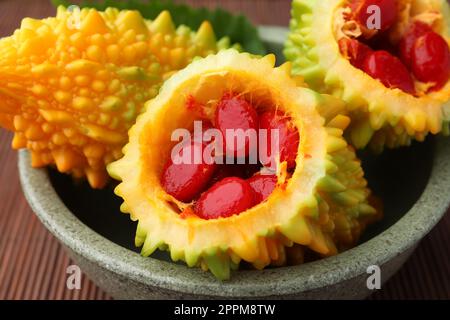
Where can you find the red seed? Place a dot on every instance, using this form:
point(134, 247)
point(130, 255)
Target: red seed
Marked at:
point(431, 59)
point(406, 45)
point(236, 113)
point(355, 51)
point(388, 12)
point(227, 197)
point(262, 186)
point(389, 70)
point(288, 137)
point(185, 181)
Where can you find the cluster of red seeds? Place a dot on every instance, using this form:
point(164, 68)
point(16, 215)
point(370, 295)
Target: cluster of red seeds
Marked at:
point(421, 54)
point(223, 190)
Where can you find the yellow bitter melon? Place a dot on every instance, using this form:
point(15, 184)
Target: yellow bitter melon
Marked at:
point(380, 116)
point(324, 205)
point(72, 85)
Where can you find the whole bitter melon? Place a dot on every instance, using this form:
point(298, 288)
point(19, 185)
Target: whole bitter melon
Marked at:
point(72, 85)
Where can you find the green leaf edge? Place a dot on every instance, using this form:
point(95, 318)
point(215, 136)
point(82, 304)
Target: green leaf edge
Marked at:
point(237, 27)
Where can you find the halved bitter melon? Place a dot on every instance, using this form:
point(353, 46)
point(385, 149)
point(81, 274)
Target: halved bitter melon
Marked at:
point(72, 85)
point(380, 116)
point(323, 206)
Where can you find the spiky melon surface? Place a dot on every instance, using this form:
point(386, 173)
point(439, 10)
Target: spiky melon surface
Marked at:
point(324, 205)
point(72, 85)
point(380, 116)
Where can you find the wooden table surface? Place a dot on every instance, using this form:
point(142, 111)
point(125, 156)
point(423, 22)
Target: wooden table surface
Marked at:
point(33, 263)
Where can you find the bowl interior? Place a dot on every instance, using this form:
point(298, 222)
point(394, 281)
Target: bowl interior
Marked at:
point(397, 176)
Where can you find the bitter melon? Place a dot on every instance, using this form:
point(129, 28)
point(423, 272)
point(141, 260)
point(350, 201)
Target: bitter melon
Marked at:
point(388, 112)
point(322, 205)
point(72, 85)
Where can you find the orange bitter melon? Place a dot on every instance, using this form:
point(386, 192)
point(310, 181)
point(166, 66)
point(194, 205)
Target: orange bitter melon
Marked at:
point(72, 85)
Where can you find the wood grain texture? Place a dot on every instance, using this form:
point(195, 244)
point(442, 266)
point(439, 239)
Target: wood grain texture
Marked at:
point(33, 264)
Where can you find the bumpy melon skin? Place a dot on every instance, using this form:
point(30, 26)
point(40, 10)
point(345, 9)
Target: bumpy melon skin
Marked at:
point(72, 85)
point(380, 116)
point(324, 205)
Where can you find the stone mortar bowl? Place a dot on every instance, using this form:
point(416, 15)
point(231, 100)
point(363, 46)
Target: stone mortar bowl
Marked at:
point(414, 183)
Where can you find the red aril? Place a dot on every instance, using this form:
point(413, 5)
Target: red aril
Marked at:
point(431, 59)
point(227, 197)
point(184, 181)
point(288, 137)
point(406, 45)
point(389, 70)
point(388, 12)
point(262, 186)
point(234, 113)
point(354, 51)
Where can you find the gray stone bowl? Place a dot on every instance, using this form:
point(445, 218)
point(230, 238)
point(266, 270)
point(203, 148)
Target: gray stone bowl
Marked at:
point(414, 183)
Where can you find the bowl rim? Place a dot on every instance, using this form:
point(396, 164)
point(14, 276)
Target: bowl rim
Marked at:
point(403, 235)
